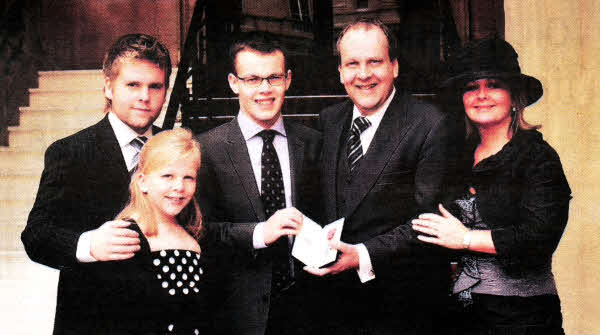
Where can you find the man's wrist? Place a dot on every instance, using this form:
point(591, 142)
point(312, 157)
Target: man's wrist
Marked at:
point(84, 248)
point(258, 236)
point(467, 239)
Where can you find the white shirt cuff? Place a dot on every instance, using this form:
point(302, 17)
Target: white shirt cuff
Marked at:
point(258, 237)
point(84, 247)
point(365, 268)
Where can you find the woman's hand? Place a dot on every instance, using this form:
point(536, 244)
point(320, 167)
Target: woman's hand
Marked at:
point(446, 230)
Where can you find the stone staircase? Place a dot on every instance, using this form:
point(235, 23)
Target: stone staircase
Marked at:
point(65, 102)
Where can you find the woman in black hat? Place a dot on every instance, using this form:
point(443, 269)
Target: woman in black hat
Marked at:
point(513, 205)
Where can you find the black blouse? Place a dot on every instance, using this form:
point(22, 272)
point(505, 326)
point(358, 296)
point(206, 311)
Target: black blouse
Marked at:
point(523, 195)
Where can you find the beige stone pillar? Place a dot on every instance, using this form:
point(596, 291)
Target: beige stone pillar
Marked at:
point(559, 43)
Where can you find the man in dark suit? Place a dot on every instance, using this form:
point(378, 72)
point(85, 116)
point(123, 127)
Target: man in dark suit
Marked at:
point(385, 160)
point(85, 181)
point(247, 164)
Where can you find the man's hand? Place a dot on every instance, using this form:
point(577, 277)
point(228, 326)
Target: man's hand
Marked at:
point(347, 260)
point(284, 222)
point(114, 241)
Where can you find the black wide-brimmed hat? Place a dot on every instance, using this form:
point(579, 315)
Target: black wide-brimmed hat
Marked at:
point(489, 58)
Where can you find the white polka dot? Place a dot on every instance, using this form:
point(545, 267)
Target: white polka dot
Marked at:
point(170, 328)
point(179, 284)
point(186, 291)
point(196, 290)
point(184, 276)
point(197, 256)
point(189, 254)
point(195, 262)
point(165, 284)
point(165, 269)
point(172, 276)
point(158, 276)
point(196, 332)
point(156, 262)
point(196, 277)
point(176, 252)
point(172, 291)
point(172, 260)
point(163, 253)
point(191, 269)
point(192, 283)
point(184, 260)
point(179, 268)
point(201, 271)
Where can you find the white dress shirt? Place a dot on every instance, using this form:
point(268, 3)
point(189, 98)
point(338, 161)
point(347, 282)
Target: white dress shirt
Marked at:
point(254, 143)
point(365, 267)
point(124, 136)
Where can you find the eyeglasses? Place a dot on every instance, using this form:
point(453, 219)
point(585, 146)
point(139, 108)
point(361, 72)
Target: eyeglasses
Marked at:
point(255, 81)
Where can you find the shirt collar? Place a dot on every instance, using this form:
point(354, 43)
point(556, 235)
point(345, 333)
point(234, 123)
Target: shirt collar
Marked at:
point(122, 131)
point(250, 128)
point(376, 117)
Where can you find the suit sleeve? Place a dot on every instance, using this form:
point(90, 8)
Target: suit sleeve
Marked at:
point(50, 236)
point(432, 173)
point(218, 232)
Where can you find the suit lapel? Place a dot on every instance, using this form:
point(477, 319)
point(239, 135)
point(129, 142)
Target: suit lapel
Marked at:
point(107, 144)
point(296, 152)
point(389, 135)
point(331, 148)
point(239, 157)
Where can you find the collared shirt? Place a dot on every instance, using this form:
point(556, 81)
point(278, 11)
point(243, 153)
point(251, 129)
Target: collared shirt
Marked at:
point(367, 135)
point(124, 136)
point(365, 267)
point(254, 143)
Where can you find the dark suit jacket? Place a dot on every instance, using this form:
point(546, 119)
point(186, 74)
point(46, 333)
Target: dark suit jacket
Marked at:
point(84, 184)
point(231, 207)
point(402, 174)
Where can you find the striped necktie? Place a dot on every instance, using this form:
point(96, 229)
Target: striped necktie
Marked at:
point(137, 143)
point(355, 151)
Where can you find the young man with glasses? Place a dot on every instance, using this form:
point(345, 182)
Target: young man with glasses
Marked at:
point(256, 170)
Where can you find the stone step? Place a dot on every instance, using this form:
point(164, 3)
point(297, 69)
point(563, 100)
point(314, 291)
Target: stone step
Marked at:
point(65, 98)
point(10, 235)
point(18, 187)
point(35, 139)
point(70, 79)
point(59, 117)
point(28, 292)
point(59, 80)
point(14, 161)
point(15, 208)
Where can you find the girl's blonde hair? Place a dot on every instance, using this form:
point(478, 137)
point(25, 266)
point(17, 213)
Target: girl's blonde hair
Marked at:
point(160, 150)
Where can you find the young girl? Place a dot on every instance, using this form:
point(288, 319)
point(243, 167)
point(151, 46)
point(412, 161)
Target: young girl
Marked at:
point(159, 289)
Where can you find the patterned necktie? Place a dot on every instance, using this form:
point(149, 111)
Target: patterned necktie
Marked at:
point(355, 151)
point(273, 198)
point(137, 143)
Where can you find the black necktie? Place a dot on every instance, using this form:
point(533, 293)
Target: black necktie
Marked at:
point(137, 143)
point(355, 151)
point(273, 198)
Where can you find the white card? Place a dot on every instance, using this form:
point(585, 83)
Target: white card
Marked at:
point(311, 245)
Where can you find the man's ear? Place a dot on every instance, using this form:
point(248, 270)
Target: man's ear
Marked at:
point(288, 80)
point(107, 88)
point(341, 77)
point(395, 67)
point(233, 83)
